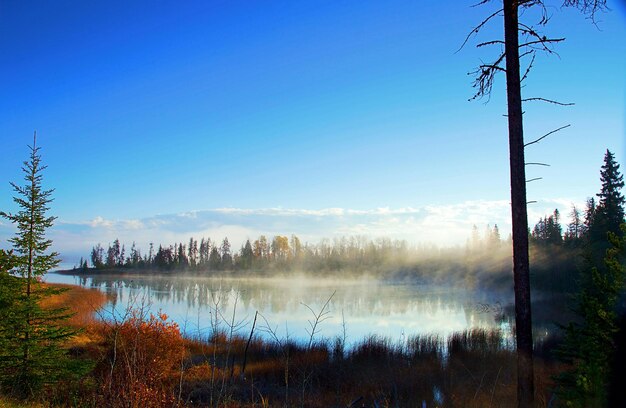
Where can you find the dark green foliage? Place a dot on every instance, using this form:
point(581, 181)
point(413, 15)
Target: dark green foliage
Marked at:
point(215, 259)
point(7, 261)
point(589, 345)
point(548, 230)
point(575, 229)
point(97, 256)
point(227, 258)
point(31, 336)
point(607, 214)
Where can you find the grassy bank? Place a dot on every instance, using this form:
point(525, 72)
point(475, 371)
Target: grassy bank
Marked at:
point(144, 361)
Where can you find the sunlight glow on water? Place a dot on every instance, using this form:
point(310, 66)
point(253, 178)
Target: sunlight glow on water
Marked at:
point(395, 311)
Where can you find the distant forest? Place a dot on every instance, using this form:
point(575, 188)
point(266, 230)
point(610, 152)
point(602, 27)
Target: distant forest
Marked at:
point(483, 260)
point(557, 254)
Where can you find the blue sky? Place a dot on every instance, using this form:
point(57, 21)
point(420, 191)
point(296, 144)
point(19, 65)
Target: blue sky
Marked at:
point(153, 110)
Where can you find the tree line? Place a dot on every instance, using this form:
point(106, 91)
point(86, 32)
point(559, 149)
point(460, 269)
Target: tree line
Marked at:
point(278, 252)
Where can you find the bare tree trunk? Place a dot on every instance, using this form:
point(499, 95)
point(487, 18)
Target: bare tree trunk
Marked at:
point(523, 322)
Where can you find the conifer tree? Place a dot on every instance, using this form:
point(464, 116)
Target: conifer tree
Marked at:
point(6, 261)
point(588, 344)
point(31, 356)
point(609, 212)
point(227, 258)
point(588, 347)
point(97, 256)
point(605, 215)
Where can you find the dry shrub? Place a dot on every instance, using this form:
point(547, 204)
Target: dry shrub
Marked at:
point(142, 363)
point(81, 302)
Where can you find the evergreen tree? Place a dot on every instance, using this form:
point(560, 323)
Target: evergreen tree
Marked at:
point(6, 261)
point(164, 258)
point(605, 215)
point(135, 256)
point(215, 259)
point(150, 259)
point(247, 255)
point(204, 252)
point(113, 254)
point(227, 258)
point(574, 228)
point(31, 356)
point(494, 237)
point(609, 212)
point(121, 257)
point(588, 347)
point(548, 230)
point(181, 258)
point(192, 252)
point(97, 256)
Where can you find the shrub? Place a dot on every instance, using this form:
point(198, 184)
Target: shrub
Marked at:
point(142, 362)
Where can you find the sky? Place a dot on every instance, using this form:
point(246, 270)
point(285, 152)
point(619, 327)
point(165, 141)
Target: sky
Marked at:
point(164, 120)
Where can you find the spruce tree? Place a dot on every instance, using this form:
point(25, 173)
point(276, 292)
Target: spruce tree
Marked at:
point(609, 214)
point(606, 215)
point(588, 346)
point(31, 336)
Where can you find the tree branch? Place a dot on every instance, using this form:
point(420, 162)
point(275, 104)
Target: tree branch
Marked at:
point(543, 41)
point(476, 29)
point(546, 135)
point(530, 65)
point(548, 101)
point(589, 7)
point(485, 74)
point(489, 43)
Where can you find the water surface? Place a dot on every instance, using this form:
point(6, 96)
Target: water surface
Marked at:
point(354, 308)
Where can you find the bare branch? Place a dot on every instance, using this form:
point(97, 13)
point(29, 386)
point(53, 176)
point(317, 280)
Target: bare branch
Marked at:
point(530, 65)
point(480, 3)
point(525, 53)
point(536, 164)
point(476, 29)
point(548, 101)
point(528, 30)
point(546, 135)
point(543, 41)
point(534, 179)
point(588, 7)
point(485, 74)
point(489, 43)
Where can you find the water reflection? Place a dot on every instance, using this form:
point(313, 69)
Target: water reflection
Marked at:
point(367, 307)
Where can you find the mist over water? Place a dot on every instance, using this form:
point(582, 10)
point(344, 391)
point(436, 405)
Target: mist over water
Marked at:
point(362, 307)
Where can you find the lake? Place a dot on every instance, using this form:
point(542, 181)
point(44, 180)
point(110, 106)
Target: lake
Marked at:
point(287, 307)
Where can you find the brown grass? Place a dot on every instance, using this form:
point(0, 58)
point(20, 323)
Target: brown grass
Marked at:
point(82, 303)
point(477, 371)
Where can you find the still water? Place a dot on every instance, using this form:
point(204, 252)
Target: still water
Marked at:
point(288, 307)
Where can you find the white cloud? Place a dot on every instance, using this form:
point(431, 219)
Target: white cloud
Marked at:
point(101, 222)
point(445, 225)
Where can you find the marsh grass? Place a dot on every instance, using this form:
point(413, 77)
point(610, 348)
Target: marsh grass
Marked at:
point(475, 368)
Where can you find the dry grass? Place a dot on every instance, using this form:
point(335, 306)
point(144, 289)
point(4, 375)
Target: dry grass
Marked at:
point(82, 303)
point(470, 369)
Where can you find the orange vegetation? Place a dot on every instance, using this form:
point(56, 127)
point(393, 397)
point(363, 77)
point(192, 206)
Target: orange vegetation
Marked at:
point(82, 303)
point(140, 363)
point(144, 361)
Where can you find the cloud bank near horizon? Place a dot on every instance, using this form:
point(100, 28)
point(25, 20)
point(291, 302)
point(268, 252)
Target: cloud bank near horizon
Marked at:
point(444, 225)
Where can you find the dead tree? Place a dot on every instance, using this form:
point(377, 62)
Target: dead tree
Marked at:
point(512, 53)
